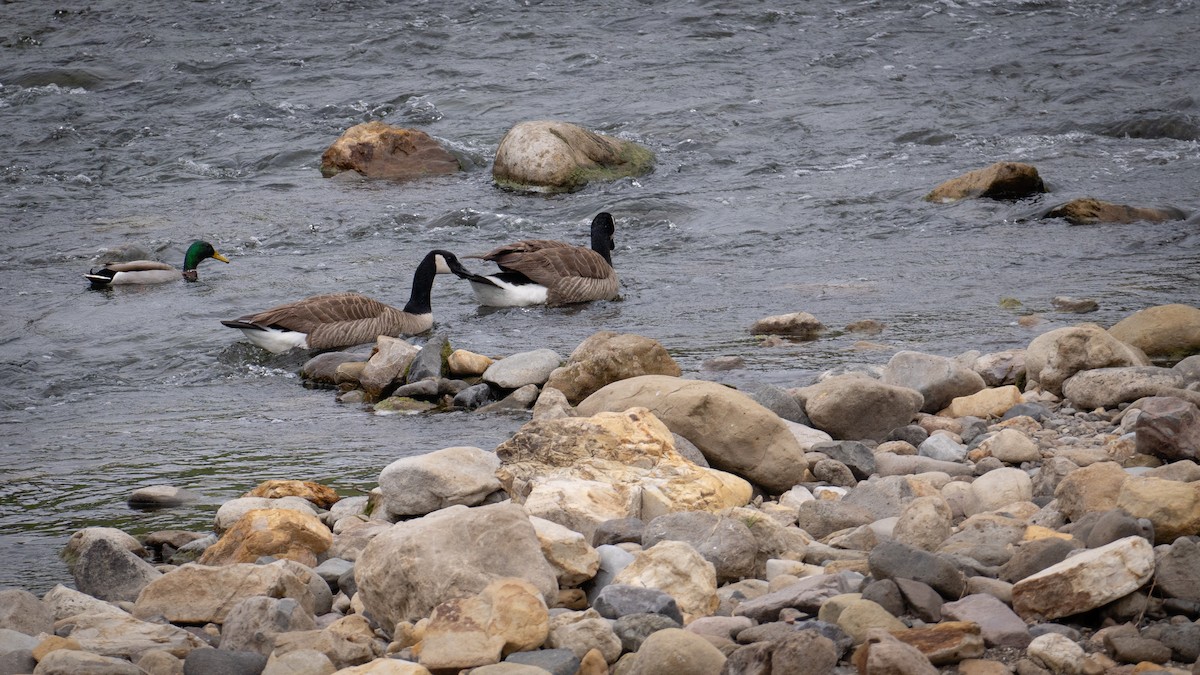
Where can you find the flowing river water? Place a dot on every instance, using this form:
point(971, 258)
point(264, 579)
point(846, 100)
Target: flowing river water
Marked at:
point(794, 143)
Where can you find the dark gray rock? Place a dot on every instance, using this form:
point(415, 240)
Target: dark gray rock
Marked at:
point(725, 542)
point(752, 659)
point(855, 455)
point(806, 652)
point(894, 560)
point(1183, 639)
point(553, 661)
point(1168, 428)
point(619, 531)
point(778, 401)
point(430, 362)
point(912, 434)
point(332, 569)
point(321, 370)
point(473, 396)
point(109, 572)
point(1177, 571)
point(17, 661)
point(1037, 411)
point(427, 388)
point(886, 594)
point(617, 600)
point(1116, 524)
point(921, 600)
point(346, 583)
point(1034, 556)
point(225, 662)
point(633, 629)
point(938, 378)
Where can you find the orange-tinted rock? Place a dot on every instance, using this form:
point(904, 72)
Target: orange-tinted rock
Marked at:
point(1002, 180)
point(378, 150)
point(321, 495)
point(281, 533)
point(945, 643)
point(1088, 211)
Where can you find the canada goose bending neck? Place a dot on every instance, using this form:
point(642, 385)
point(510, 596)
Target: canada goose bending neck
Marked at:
point(543, 271)
point(336, 320)
point(153, 271)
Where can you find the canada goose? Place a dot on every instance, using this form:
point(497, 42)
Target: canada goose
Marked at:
point(338, 320)
point(152, 271)
point(536, 271)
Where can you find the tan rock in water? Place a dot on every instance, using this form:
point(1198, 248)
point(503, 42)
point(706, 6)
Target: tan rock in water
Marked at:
point(1088, 211)
point(281, 533)
point(378, 150)
point(1002, 180)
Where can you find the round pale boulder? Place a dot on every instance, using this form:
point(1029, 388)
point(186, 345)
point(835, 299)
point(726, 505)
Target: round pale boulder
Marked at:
point(853, 407)
point(549, 156)
point(378, 150)
point(1053, 357)
point(407, 570)
point(939, 379)
point(735, 433)
point(1165, 333)
point(1108, 387)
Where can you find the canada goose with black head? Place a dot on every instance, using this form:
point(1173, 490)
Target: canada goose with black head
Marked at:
point(542, 271)
point(153, 271)
point(336, 320)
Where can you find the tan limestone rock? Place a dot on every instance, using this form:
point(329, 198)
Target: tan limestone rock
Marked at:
point(509, 615)
point(1092, 488)
point(200, 594)
point(464, 363)
point(1172, 506)
point(797, 325)
point(321, 495)
point(678, 570)
point(281, 533)
point(1089, 211)
point(619, 460)
point(985, 403)
point(1054, 356)
point(379, 150)
point(1002, 180)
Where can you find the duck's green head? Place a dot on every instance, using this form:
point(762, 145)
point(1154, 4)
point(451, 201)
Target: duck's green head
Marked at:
point(198, 252)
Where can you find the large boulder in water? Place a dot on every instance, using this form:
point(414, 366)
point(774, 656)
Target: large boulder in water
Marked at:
point(548, 156)
point(735, 433)
point(1002, 180)
point(378, 150)
point(1088, 211)
point(1166, 333)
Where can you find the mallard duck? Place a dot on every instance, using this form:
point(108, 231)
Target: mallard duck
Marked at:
point(537, 271)
point(152, 271)
point(335, 320)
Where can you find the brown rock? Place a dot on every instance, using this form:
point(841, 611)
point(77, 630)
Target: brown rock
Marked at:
point(1085, 581)
point(281, 533)
point(321, 495)
point(1002, 180)
point(1088, 211)
point(199, 594)
point(378, 150)
point(946, 642)
point(798, 325)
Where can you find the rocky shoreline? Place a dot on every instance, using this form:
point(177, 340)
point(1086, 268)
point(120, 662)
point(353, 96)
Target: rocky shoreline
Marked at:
point(1030, 511)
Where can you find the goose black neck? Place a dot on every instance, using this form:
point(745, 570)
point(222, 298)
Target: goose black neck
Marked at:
point(602, 235)
point(418, 301)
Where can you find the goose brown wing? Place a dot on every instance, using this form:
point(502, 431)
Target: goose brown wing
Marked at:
point(550, 265)
point(521, 247)
point(308, 315)
point(390, 321)
point(571, 290)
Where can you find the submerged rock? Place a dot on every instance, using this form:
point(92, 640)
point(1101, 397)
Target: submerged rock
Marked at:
point(1002, 180)
point(379, 150)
